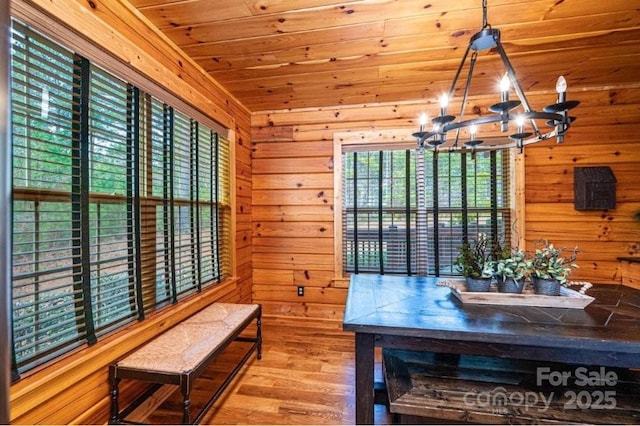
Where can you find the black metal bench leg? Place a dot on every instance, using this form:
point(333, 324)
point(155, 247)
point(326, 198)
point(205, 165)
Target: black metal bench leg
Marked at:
point(186, 418)
point(186, 401)
point(115, 410)
point(259, 333)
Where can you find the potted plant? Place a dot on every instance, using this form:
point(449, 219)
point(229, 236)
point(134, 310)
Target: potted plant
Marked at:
point(512, 271)
point(550, 269)
point(475, 262)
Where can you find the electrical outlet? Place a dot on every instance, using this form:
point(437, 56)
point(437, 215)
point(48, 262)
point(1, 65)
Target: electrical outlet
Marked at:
point(300, 290)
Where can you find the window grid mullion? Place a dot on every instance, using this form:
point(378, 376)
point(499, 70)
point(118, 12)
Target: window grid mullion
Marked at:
point(380, 212)
point(356, 242)
point(81, 209)
point(195, 206)
point(166, 259)
point(134, 239)
point(215, 188)
point(494, 198)
point(407, 211)
point(422, 220)
point(436, 216)
point(170, 206)
point(465, 201)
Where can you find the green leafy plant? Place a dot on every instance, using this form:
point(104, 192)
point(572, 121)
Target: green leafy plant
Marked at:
point(549, 263)
point(515, 266)
point(477, 259)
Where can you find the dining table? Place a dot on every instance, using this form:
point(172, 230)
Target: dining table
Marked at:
point(420, 313)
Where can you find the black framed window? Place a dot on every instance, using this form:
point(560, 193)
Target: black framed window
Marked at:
point(407, 211)
point(121, 203)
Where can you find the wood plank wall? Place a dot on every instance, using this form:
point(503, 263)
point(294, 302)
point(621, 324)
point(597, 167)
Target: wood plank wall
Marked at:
point(293, 189)
point(75, 390)
point(284, 192)
point(605, 134)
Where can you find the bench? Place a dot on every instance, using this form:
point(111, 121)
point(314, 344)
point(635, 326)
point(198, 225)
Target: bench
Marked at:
point(181, 354)
point(423, 387)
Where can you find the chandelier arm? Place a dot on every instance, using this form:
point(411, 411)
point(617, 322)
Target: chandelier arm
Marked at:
point(455, 79)
point(514, 81)
point(423, 136)
point(532, 115)
point(465, 95)
point(494, 118)
point(540, 137)
point(457, 138)
point(511, 144)
point(512, 74)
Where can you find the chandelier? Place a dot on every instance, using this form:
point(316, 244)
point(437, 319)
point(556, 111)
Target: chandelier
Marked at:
point(505, 113)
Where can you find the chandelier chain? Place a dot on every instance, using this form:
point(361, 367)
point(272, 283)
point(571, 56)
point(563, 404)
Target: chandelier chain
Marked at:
point(485, 22)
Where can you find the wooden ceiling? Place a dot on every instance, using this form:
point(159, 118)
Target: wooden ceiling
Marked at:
point(279, 54)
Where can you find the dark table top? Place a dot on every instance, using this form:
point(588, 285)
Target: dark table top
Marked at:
point(417, 307)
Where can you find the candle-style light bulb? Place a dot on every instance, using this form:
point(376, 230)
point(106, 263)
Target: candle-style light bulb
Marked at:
point(520, 123)
point(437, 127)
point(561, 84)
point(561, 88)
point(423, 121)
point(472, 132)
point(505, 84)
point(444, 102)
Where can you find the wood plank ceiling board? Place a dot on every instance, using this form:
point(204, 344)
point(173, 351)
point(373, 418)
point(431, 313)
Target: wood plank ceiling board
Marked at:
point(280, 54)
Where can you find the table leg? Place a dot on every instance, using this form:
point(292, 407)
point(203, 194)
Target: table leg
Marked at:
point(364, 378)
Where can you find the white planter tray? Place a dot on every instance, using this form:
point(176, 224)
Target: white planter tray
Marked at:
point(567, 299)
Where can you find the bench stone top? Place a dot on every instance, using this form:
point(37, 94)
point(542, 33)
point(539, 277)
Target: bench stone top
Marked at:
point(184, 346)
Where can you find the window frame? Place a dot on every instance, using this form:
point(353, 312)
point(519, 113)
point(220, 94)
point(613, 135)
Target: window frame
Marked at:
point(401, 139)
point(226, 231)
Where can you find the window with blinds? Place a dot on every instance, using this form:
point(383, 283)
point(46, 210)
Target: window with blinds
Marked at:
point(47, 289)
point(110, 171)
point(157, 207)
point(407, 212)
point(121, 203)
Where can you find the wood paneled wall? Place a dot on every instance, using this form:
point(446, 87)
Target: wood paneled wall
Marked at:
point(75, 390)
point(284, 198)
point(293, 190)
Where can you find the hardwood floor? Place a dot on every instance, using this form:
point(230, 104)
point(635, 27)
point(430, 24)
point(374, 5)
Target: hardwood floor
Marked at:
point(306, 376)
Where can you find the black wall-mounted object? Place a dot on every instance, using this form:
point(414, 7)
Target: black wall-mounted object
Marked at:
point(594, 188)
